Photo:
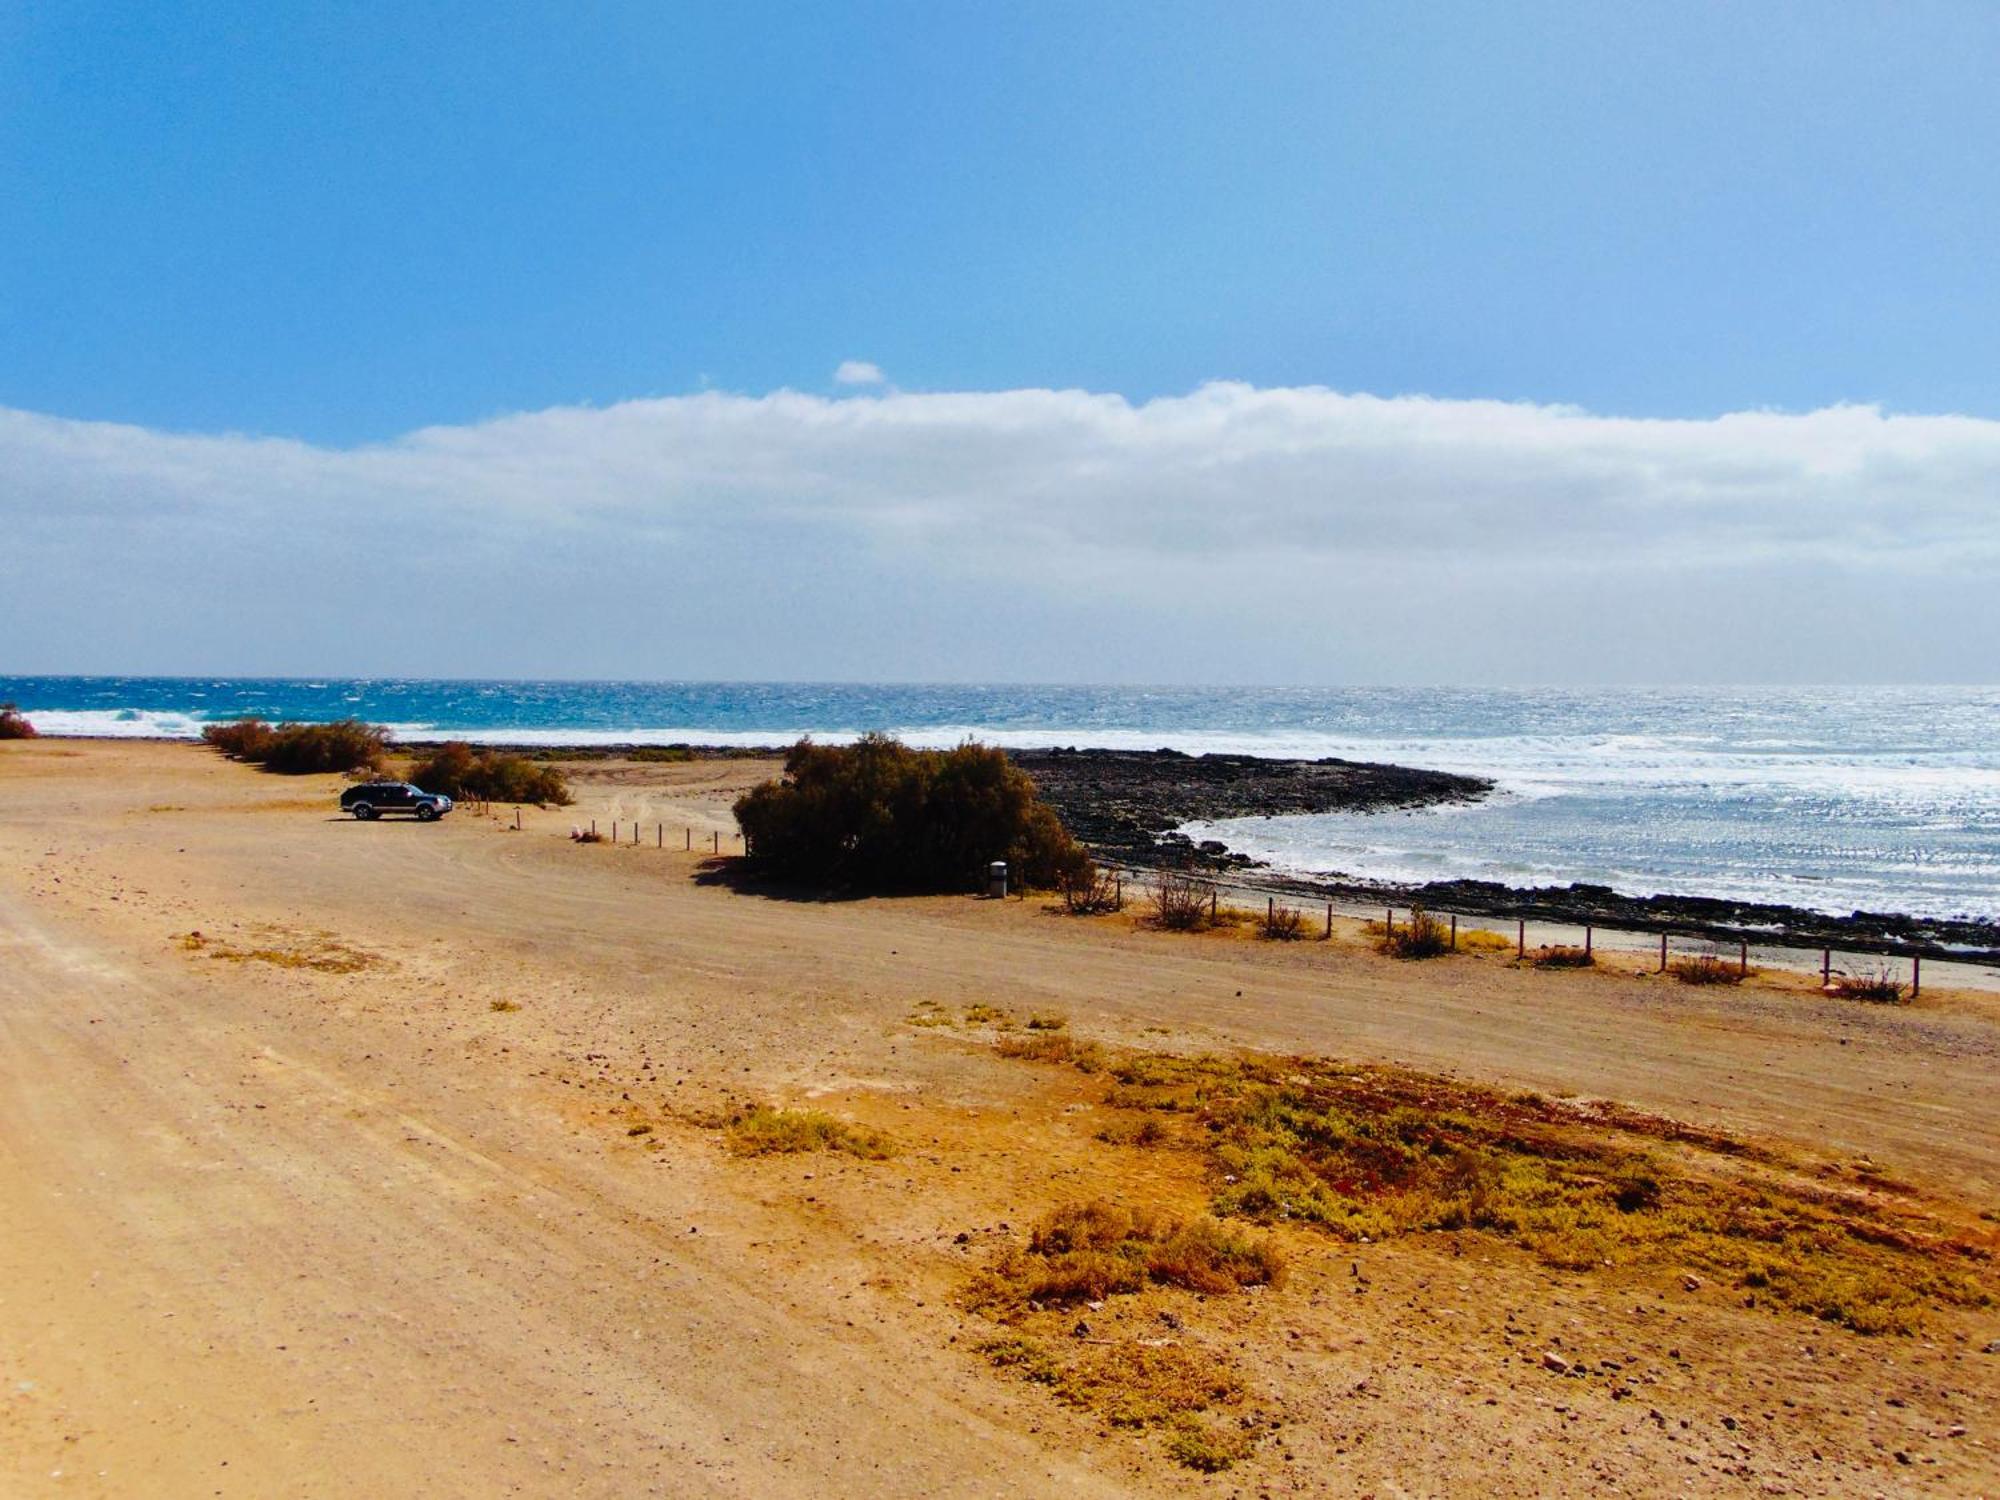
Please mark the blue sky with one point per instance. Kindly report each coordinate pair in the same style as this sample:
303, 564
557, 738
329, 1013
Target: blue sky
342, 222
1249, 342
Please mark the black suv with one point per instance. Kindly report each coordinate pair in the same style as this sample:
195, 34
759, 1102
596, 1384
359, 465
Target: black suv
372, 799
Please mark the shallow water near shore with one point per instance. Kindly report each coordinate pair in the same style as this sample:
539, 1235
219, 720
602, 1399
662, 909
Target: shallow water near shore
1834, 799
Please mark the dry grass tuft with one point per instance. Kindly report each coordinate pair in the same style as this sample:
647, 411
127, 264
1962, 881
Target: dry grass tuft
1053, 1047
1422, 936
1282, 924
1093, 894
321, 954
1086, 1252
1484, 940
766, 1131
1090, 1252
1877, 986
1562, 956
1181, 903
503, 1006
1706, 968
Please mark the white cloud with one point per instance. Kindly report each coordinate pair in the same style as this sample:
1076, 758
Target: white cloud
858, 372
1233, 513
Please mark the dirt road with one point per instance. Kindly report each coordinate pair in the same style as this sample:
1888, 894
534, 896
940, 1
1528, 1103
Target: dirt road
324, 1202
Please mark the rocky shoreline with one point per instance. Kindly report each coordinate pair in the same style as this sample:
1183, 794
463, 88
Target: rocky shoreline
1126, 806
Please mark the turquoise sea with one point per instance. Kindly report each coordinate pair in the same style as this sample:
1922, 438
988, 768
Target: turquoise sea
1838, 799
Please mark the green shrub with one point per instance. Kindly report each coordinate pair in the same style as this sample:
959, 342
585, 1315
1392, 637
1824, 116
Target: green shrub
878, 815
302, 749
457, 770
241, 739
13, 726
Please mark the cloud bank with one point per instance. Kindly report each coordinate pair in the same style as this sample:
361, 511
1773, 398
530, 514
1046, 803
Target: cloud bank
1234, 533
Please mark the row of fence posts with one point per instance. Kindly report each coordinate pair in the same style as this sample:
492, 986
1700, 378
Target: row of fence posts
1521, 939
660, 835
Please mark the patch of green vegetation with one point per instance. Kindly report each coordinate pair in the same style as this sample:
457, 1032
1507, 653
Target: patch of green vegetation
1376, 1153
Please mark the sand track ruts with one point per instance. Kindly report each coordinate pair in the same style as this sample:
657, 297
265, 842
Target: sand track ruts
271, 1232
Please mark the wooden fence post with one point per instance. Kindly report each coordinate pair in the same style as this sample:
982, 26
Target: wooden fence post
1663, 953
1586, 940
1825, 967
1329, 921
1389, 923
1743, 960
1521, 938
1916, 975
687, 838
660, 831
517, 820
1454, 932
1213, 892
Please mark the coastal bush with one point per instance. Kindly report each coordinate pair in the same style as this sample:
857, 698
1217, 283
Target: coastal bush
1423, 936
1181, 903
13, 726
457, 770
302, 749
310, 749
879, 815
1706, 968
240, 739
1085, 1252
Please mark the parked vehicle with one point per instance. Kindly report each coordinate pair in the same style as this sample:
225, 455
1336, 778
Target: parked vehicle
373, 798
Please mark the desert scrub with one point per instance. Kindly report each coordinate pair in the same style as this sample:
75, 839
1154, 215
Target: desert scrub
1085, 1252
1877, 986
1282, 924
1139, 1385
1376, 1152
323, 954
1093, 893
766, 1131
1484, 940
1181, 904
1706, 968
1562, 956
1052, 1047
1422, 936
13, 726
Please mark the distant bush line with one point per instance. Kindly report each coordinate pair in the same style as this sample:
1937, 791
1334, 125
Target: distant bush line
878, 815
13, 726
302, 749
457, 770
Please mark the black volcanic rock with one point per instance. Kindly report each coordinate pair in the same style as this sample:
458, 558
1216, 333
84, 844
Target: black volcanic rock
1125, 804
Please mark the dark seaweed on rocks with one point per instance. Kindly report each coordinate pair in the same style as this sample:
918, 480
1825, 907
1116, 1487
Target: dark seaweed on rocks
1126, 804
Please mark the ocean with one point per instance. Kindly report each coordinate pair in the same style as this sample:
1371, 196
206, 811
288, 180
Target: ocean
1835, 799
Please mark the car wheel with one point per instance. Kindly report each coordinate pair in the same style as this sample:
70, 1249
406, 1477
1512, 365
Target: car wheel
426, 813
363, 812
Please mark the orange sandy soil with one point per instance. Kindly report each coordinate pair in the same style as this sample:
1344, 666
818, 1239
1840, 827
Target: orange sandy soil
295, 1210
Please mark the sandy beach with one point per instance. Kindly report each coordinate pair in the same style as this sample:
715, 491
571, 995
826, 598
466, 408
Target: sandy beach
383, 1159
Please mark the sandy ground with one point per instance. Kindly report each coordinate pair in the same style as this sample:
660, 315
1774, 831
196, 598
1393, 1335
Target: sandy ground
296, 1210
